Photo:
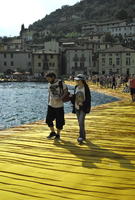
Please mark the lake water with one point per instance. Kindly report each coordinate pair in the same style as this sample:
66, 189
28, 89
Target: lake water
22, 103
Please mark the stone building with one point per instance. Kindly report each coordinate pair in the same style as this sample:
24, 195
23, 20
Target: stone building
78, 60
15, 61
44, 61
117, 60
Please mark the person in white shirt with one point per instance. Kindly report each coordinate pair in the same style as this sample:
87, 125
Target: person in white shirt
81, 104
55, 105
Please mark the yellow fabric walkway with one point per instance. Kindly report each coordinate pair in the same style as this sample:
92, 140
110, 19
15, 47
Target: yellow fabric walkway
34, 168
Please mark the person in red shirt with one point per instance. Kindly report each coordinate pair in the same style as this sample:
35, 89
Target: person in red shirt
132, 88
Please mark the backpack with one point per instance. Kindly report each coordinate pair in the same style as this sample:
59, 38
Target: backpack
65, 98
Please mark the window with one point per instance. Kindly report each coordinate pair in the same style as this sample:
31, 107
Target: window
11, 55
117, 61
29, 55
103, 60
110, 54
45, 66
128, 54
39, 64
75, 64
128, 71
75, 58
51, 56
81, 64
110, 71
110, 61
29, 63
118, 71
12, 63
103, 54
5, 55
39, 56
5, 63
45, 57
82, 59
127, 61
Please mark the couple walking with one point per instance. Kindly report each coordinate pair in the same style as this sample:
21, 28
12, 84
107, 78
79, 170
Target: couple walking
81, 100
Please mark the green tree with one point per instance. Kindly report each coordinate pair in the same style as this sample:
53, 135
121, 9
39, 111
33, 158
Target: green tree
122, 14
109, 38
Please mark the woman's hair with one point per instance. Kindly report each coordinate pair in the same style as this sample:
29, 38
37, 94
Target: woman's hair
51, 75
84, 82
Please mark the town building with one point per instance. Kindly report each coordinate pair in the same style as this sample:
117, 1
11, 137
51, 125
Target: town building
122, 30
11, 44
117, 60
44, 61
44, 33
78, 60
52, 45
15, 61
27, 34
101, 26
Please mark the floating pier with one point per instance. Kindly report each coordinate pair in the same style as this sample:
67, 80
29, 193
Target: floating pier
34, 168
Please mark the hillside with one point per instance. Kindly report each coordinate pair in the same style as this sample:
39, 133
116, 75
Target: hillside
70, 18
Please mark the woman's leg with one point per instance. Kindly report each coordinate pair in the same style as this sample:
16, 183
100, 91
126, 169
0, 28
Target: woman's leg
81, 120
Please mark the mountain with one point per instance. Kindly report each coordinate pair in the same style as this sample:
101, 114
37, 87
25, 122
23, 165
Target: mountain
70, 18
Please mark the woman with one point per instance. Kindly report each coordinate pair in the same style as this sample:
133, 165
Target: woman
81, 104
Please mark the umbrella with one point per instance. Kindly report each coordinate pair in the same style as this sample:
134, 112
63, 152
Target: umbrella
17, 73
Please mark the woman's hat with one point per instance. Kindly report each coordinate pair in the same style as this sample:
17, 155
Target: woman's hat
79, 77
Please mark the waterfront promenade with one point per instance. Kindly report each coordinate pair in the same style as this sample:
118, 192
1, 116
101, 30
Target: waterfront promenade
34, 168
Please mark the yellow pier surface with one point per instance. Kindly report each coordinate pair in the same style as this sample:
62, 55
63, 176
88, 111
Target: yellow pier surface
34, 168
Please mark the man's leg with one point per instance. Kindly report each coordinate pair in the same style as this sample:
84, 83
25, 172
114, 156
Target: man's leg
60, 121
49, 120
133, 97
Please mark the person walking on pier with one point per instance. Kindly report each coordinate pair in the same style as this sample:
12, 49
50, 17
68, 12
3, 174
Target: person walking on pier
55, 105
132, 88
81, 104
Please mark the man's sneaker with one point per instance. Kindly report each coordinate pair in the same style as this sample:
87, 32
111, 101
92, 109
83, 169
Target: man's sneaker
52, 134
57, 136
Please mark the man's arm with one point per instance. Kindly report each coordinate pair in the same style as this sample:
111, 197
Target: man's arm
65, 90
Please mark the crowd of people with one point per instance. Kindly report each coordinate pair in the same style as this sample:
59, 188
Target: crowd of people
126, 83
107, 81
21, 78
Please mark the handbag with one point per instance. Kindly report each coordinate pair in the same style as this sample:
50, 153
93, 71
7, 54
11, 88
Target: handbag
66, 97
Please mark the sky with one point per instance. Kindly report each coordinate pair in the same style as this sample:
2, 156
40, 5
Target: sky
14, 13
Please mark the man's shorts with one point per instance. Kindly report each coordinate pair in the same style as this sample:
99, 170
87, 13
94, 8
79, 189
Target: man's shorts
55, 114
132, 91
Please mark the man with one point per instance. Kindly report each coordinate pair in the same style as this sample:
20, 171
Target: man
132, 88
55, 105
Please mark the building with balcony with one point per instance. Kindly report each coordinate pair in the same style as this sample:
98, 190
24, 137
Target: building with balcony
78, 60
117, 60
44, 61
